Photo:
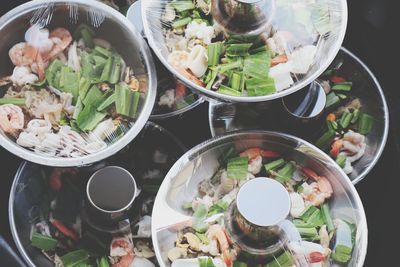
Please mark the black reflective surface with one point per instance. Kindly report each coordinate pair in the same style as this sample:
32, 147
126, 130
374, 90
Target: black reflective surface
373, 36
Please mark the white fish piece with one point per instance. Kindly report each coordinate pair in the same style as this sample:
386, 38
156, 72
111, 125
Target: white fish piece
38, 127
22, 75
197, 60
141, 262
302, 59
28, 140
281, 75
297, 205
200, 31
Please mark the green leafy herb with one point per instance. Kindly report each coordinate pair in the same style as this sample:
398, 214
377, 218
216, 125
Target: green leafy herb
75, 258
43, 242
214, 52
237, 168
365, 123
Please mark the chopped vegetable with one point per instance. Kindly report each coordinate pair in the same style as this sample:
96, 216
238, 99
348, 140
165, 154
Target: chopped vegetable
326, 139
326, 215
365, 124
75, 258
214, 52
14, 101
237, 168
126, 101
43, 242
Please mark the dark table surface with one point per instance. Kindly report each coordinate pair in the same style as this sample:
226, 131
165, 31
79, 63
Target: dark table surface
372, 25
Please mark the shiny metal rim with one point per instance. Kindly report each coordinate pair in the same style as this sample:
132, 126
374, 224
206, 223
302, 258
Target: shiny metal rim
214, 95
187, 157
139, 124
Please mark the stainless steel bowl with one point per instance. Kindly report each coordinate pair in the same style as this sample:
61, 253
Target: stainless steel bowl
181, 185
224, 117
327, 49
114, 27
23, 209
134, 15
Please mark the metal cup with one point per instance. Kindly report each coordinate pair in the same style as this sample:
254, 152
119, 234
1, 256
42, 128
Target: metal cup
110, 193
253, 219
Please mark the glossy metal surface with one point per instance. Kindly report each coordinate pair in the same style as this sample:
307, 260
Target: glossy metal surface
181, 185
115, 28
329, 47
273, 116
135, 17
22, 209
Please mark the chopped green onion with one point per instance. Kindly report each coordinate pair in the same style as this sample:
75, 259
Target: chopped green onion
206, 262
213, 76
187, 205
326, 139
310, 232
75, 258
236, 81
89, 118
107, 102
94, 97
342, 96
214, 52
326, 215
257, 65
239, 264
103, 262
365, 124
78, 108
284, 260
238, 50
228, 91
341, 160
237, 168
286, 173
260, 87
43, 242
356, 116
181, 6
127, 101
331, 100
342, 254
219, 207
105, 75
199, 215
103, 51
14, 101
274, 165
307, 213
84, 86
332, 125
181, 22
316, 218
238, 63
345, 119
346, 86
116, 70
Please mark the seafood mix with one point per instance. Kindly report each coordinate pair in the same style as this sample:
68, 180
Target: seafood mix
69, 95
318, 238
237, 64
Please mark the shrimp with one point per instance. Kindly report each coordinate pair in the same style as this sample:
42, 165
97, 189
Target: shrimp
22, 54
121, 249
336, 147
61, 38
180, 90
216, 232
319, 191
255, 165
309, 252
11, 118
252, 153
179, 60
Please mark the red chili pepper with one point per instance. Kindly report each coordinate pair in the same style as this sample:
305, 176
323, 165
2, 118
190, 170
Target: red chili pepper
55, 180
335, 149
316, 257
309, 173
180, 90
337, 79
64, 230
